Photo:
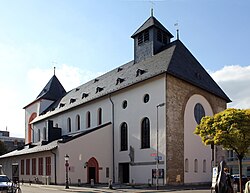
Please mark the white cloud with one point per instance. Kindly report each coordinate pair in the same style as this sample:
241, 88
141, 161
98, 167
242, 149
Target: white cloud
69, 76
235, 81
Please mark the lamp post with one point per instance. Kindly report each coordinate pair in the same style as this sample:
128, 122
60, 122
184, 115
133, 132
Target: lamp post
66, 158
157, 146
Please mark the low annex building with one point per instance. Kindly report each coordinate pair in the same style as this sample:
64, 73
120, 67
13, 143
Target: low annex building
113, 126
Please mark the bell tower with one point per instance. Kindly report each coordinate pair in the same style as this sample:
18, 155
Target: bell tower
150, 39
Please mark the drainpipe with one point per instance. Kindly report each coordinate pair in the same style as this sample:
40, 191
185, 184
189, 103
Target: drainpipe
55, 165
113, 137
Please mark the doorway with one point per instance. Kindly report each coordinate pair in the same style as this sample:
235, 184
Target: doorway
15, 172
93, 170
124, 172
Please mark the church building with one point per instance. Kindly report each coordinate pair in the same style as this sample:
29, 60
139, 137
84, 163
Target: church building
126, 124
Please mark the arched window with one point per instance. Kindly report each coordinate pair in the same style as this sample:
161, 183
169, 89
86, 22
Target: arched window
204, 166
195, 165
78, 122
186, 165
99, 121
88, 120
124, 136
69, 124
145, 133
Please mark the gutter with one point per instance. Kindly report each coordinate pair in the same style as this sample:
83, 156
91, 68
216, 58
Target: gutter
113, 137
55, 166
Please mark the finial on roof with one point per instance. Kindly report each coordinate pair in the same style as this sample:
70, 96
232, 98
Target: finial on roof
152, 8
177, 29
54, 70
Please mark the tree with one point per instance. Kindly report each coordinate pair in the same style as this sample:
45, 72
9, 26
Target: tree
229, 128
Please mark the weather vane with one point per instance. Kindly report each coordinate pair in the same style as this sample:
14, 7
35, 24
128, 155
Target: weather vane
177, 29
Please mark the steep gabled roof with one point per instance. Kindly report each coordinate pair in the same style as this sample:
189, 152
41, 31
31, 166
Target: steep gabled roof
185, 66
151, 22
175, 60
53, 90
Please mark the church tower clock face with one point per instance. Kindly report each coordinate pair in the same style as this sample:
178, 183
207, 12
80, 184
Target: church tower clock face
199, 112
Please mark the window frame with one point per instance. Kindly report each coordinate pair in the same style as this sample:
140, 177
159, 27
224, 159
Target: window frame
124, 137
145, 133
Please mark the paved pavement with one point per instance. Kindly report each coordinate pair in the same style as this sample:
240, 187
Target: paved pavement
119, 189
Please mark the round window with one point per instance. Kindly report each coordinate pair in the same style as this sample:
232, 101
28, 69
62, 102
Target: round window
124, 104
199, 112
146, 98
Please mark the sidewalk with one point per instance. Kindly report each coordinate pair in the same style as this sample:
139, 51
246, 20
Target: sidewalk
120, 188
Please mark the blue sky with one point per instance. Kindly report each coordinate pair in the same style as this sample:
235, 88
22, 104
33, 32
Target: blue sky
85, 38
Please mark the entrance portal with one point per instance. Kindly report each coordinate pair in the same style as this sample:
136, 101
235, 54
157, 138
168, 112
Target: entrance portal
93, 170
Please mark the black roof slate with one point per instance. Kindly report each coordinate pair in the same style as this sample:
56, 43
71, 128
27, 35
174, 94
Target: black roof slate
53, 90
151, 22
175, 60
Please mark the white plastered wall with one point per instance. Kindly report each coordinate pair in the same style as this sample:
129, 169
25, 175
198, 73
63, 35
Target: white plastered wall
193, 147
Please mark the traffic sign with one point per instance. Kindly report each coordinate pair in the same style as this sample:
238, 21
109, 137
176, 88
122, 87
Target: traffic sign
159, 158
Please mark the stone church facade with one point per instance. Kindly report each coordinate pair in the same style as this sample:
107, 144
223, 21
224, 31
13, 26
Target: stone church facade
114, 126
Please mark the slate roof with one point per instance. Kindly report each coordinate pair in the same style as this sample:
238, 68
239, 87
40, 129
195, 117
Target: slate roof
53, 90
151, 22
35, 149
175, 59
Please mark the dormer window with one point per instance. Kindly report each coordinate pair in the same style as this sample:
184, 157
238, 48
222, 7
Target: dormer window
61, 105
99, 89
119, 80
96, 80
143, 37
119, 69
72, 100
140, 72
85, 95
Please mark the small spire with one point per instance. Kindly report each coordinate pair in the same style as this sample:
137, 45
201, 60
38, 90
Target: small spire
177, 29
54, 70
152, 8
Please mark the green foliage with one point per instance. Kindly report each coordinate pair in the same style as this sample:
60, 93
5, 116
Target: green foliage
229, 128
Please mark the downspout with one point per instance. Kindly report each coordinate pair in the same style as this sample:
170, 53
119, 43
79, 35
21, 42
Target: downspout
113, 137
55, 165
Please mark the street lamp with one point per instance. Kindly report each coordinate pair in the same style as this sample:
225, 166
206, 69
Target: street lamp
66, 158
157, 146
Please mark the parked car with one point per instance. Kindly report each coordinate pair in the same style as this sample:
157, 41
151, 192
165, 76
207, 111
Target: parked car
236, 179
5, 184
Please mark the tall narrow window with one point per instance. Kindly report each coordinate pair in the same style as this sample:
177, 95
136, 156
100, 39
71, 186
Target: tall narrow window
204, 166
88, 120
27, 166
48, 166
40, 166
22, 167
69, 124
99, 116
124, 137
38, 135
195, 165
44, 133
33, 166
78, 122
186, 165
145, 133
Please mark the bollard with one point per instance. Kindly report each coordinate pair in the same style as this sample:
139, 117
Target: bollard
92, 183
235, 187
110, 184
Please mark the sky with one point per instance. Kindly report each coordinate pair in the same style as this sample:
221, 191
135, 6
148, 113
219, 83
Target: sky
86, 38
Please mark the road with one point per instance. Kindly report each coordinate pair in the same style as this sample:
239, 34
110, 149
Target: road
61, 189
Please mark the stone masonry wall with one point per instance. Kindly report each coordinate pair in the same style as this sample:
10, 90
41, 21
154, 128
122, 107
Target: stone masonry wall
177, 95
